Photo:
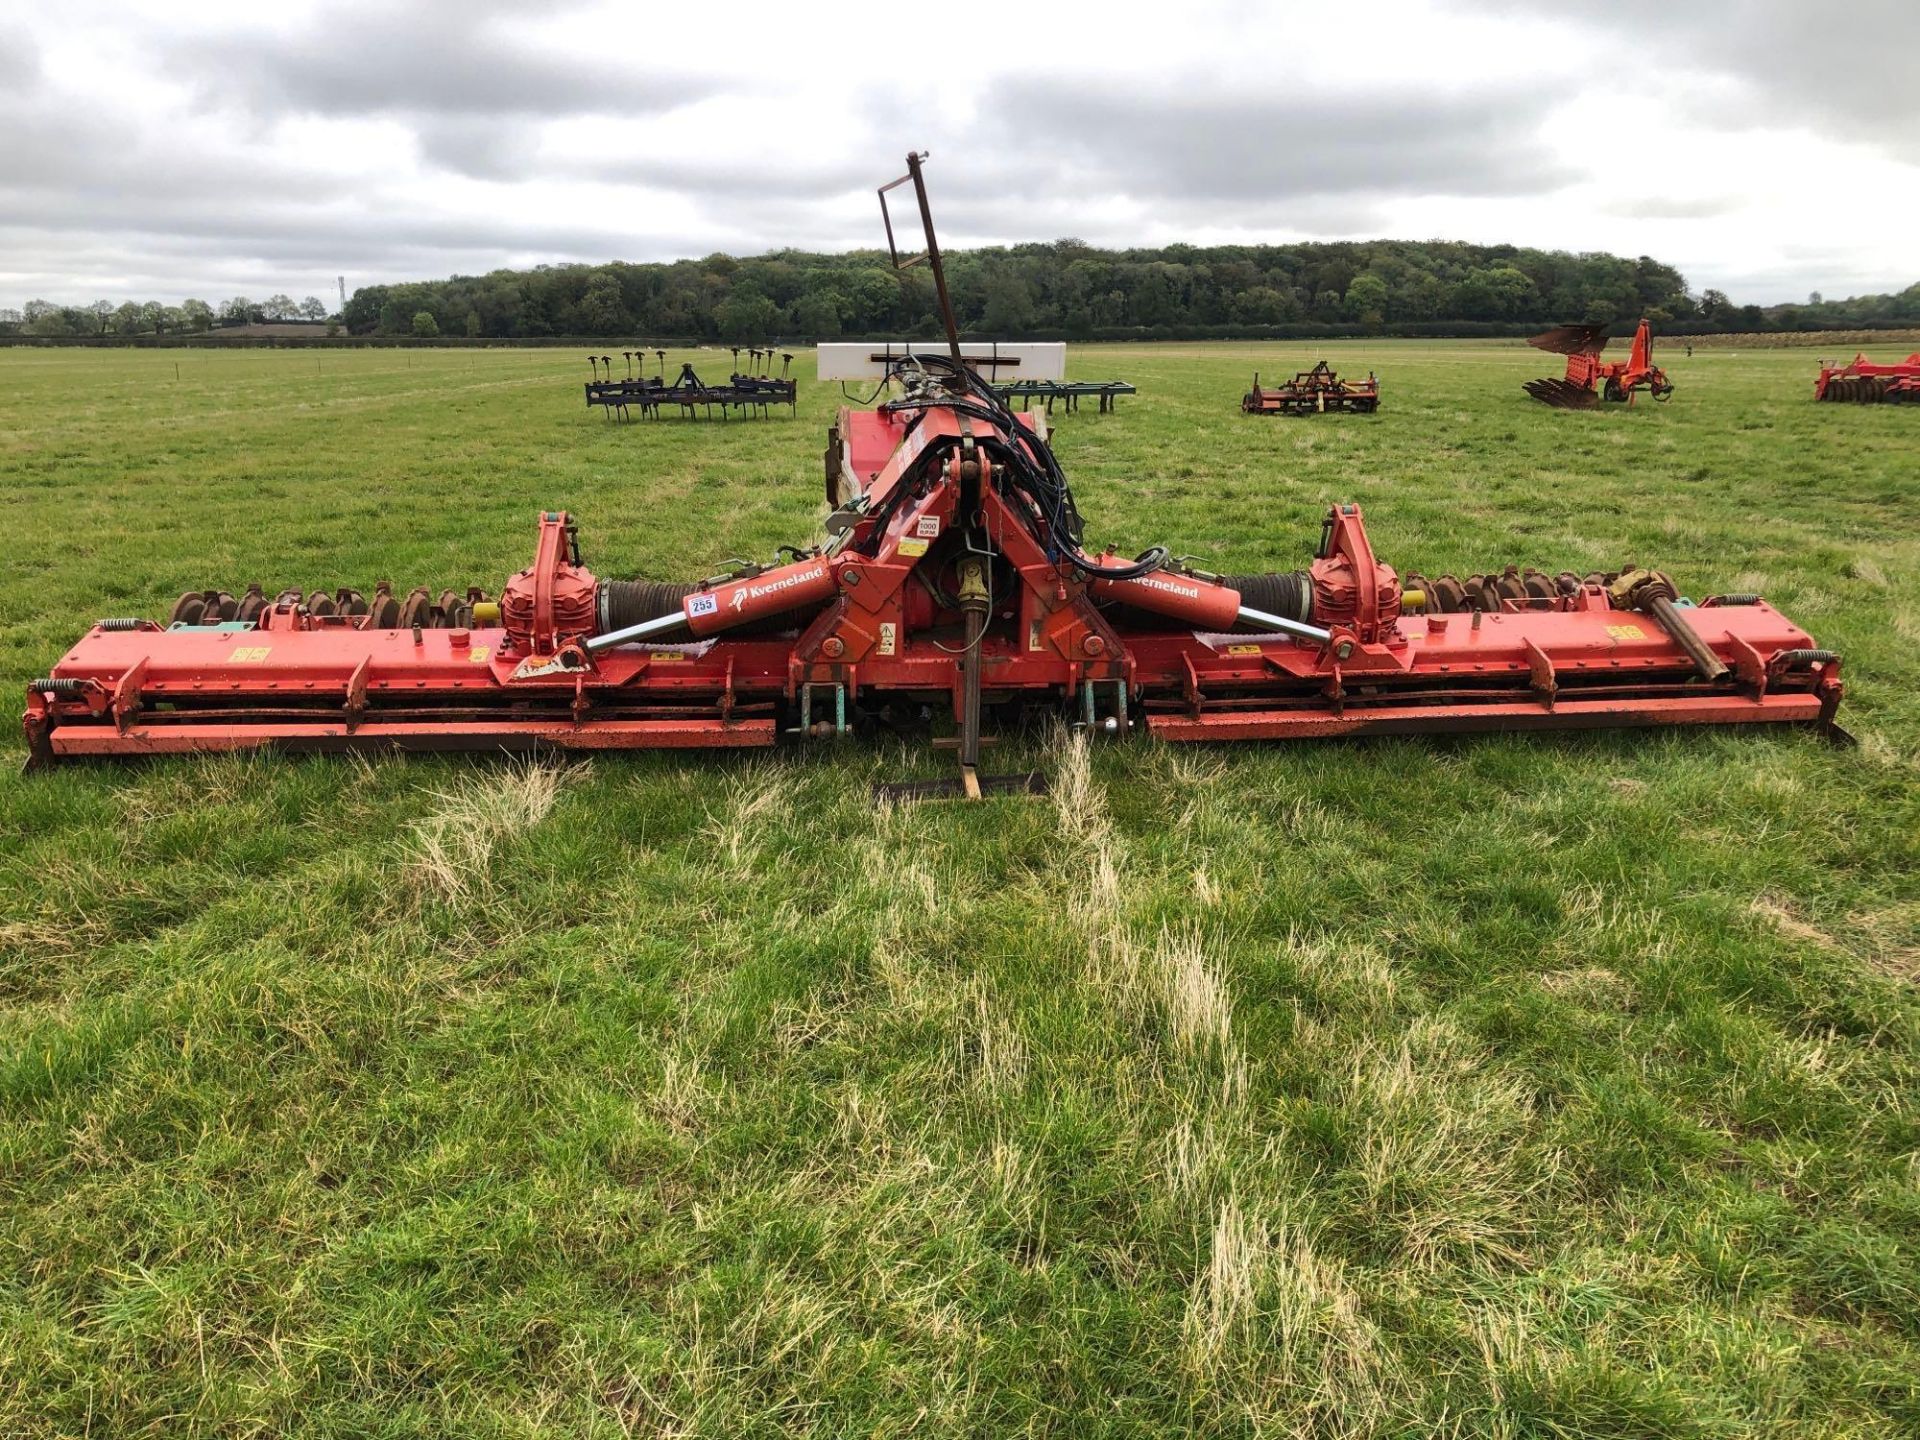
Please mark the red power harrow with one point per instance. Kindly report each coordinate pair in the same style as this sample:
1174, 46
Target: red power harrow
953, 576
1862, 382
1588, 377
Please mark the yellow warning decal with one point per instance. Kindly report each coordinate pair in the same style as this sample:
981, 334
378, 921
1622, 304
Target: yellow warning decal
250, 654
1244, 650
480, 654
1626, 632
662, 656
912, 546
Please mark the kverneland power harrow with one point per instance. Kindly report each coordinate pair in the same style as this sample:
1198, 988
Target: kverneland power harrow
1861, 382
953, 578
1588, 377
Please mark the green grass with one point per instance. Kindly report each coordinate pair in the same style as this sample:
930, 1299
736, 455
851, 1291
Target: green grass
1517, 1087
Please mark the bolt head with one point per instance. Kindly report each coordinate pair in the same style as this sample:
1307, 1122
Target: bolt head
1093, 645
833, 645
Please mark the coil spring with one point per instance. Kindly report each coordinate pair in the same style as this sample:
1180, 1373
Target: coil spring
1739, 597
1806, 657
56, 687
119, 622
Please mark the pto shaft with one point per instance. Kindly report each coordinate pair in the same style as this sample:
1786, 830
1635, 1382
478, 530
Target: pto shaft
1653, 594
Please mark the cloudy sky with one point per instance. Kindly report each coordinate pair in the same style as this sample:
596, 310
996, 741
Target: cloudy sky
159, 150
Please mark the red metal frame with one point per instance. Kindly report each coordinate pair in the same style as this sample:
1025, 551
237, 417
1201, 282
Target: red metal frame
1862, 381
1589, 378
877, 617
1313, 392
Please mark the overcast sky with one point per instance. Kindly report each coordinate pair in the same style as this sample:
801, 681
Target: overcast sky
1767, 148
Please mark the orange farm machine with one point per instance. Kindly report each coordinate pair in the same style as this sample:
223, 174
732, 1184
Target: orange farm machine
1862, 382
1589, 379
953, 580
1314, 392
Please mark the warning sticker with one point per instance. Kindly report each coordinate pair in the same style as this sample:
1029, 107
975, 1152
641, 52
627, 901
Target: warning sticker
705, 603
251, 654
659, 657
928, 527
1626, 632
480, 654
1243, 650
889, 637
912, 547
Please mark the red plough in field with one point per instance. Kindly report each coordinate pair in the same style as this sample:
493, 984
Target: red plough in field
1588, 377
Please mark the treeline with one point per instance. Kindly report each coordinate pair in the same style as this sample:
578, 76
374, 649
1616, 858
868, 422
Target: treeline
1073, 290
1066, 288
104, 319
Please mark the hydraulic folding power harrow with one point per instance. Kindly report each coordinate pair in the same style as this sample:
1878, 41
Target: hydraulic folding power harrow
952, 578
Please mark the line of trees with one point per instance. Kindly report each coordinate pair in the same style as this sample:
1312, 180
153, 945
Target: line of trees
1065, 288
1068, 288
44, 319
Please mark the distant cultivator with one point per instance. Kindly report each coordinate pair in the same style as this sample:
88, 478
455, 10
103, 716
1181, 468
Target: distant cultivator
1861, 382
749, 392
1314, 392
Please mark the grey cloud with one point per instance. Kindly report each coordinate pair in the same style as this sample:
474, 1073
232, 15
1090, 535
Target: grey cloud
112, 189
1189, 142
429, 59
1673, 207
477, 146
324, 236
727, 173
1845, 72
466, 79
19, 60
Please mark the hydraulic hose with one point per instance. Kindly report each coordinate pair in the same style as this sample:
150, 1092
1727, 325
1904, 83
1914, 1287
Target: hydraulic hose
1288, 594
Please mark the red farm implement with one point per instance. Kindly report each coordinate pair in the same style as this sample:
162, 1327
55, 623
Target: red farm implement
1314, 392
1589, 378
952, 578
1862, 382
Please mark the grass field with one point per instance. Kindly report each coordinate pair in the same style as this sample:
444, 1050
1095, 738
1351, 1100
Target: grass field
1509, 1087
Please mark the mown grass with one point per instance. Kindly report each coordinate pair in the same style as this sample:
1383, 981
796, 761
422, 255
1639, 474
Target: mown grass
1557, 1087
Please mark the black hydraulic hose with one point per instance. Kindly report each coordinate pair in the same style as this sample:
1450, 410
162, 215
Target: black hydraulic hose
1287, 594
1036, 467
621, 603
